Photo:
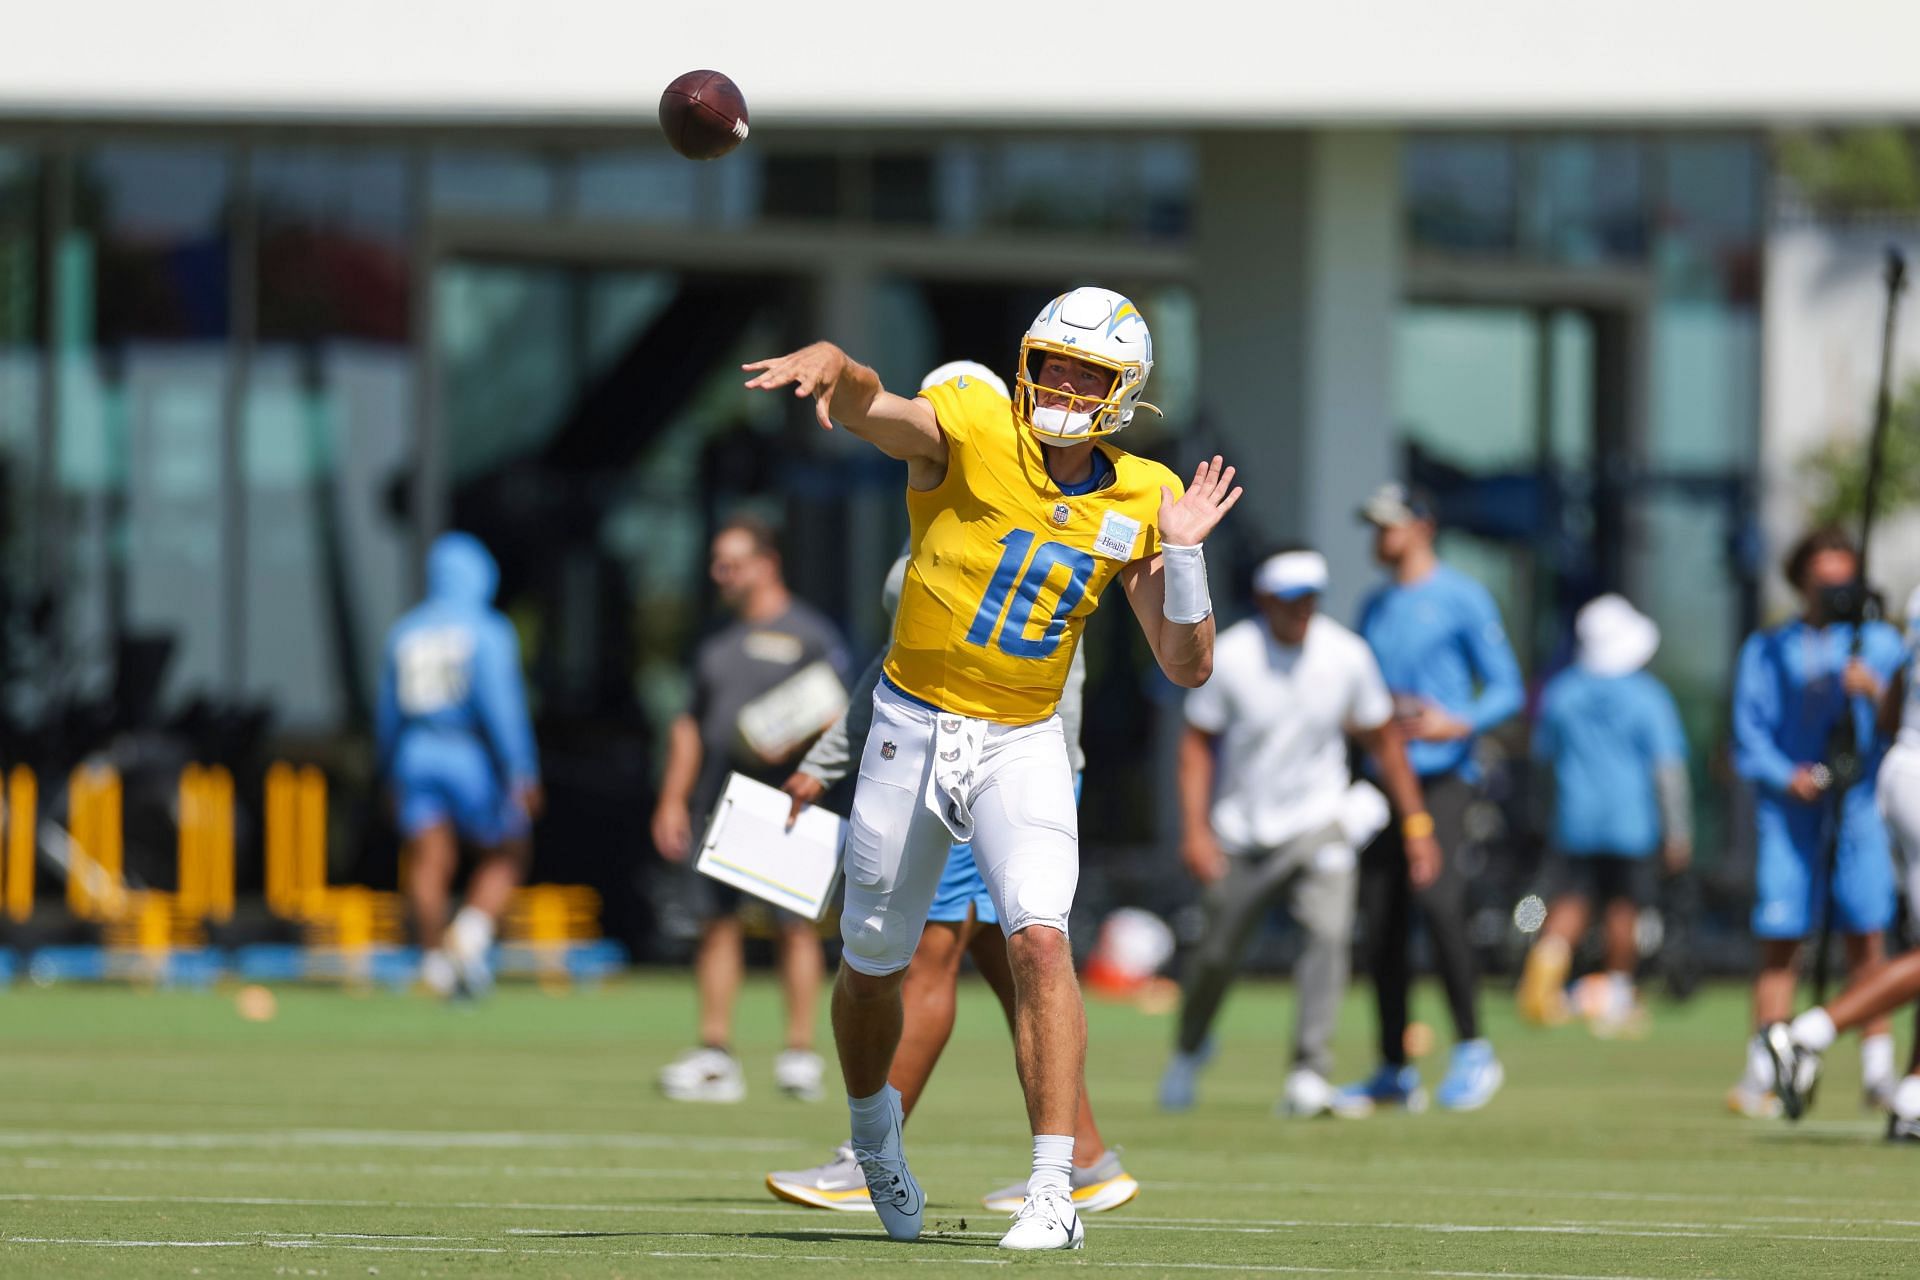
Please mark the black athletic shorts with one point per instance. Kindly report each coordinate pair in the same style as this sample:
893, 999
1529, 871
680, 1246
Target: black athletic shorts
1601, 878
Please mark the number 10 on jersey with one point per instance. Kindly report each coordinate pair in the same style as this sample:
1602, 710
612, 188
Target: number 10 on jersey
1025, 588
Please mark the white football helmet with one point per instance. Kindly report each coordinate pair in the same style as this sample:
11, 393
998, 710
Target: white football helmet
965, 369
1097, 327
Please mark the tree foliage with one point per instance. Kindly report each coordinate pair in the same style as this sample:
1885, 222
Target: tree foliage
1840, 468
1854, 171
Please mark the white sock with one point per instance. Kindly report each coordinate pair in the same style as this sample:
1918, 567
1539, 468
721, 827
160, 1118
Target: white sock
1906, 1098
873, 1117
1620, 992
470, 934
1759, 1066
1876, 1061
1052, 1164
1815, 1030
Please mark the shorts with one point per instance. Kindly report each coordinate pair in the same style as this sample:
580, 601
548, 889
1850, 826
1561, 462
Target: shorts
930, 779
446, 780
962, 887
1898, 790
1603, 877
709, 900
1790, 888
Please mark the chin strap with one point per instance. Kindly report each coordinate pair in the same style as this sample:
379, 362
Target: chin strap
1187, 601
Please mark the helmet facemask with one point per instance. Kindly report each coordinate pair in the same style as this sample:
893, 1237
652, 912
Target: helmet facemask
1061, 416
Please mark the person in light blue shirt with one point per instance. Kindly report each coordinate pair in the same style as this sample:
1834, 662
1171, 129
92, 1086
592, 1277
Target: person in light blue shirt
1795, 684
1610, 736
456, 747
1445, 656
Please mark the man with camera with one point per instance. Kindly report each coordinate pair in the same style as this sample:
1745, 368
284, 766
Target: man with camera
1806, 698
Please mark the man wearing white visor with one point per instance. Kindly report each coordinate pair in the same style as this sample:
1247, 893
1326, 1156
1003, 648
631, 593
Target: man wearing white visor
1269, 808
1610, 736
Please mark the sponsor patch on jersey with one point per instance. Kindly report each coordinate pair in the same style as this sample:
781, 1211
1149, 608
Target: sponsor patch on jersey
1117, 535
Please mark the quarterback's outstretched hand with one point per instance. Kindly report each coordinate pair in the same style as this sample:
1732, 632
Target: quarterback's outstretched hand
1187, 523
813, 371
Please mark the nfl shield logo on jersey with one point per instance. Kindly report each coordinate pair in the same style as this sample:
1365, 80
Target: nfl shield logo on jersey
1061, 513
887, 750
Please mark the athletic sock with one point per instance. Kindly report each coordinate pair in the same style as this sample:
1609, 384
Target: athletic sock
1815, 1030
470, 934
1876, 1062
872, 1117
1906, 1098
1620, 992
1052, 1164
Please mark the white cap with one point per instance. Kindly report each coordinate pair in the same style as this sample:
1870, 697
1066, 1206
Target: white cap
965, 369
1291, 574
1616, 639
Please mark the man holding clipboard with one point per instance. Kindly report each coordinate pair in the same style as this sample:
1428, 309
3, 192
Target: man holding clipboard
764, 686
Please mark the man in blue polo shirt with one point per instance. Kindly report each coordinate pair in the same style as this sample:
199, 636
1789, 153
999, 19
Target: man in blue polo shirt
1437, 635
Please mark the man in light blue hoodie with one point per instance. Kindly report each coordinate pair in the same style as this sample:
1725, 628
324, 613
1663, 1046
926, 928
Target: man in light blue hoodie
456, 747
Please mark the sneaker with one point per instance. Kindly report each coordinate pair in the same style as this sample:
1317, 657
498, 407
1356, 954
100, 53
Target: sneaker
473, 979
1101, 1186
1307, 1095
895, 1196
438, 975
1877, 1096
1901, 1128
1796, 1070
1745, 1099
1046, 1221
1473, 1077
704, 1075
837, 1184
1179, 1084
1390, 1086
798, 1073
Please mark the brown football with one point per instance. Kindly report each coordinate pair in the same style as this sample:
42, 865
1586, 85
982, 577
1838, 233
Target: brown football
703, 115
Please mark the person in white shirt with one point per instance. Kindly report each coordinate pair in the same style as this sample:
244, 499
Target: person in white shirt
1269, 807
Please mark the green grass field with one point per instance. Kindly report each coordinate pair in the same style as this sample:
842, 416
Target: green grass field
159, 1134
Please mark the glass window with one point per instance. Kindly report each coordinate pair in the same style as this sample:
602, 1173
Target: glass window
903, 188
327, 432
506, 347
493, 183
650, 185
1461, 194
145, 375
800, 186
20, 365
1585, 200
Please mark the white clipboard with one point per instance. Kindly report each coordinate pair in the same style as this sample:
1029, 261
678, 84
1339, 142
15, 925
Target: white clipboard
748, 846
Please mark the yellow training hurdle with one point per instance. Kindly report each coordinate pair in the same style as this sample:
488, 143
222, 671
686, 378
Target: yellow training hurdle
16, 862
96, 888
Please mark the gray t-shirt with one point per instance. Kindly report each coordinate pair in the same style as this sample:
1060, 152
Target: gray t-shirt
831, 758
736, 665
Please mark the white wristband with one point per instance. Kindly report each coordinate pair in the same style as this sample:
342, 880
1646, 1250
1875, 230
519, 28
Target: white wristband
1187, 600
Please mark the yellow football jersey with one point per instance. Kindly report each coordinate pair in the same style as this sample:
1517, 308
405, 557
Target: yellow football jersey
1003, 567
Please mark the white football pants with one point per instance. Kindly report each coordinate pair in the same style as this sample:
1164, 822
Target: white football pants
1898, 791
928, 779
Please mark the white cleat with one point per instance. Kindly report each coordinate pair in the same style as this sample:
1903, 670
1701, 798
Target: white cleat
799, 1073
704, 1075
1046, 1221
438, 975
896, 1197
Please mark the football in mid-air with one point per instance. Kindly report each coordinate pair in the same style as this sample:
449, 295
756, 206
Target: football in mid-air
703, 115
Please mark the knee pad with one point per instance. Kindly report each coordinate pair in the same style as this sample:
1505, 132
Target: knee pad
876, 941
1041, 894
